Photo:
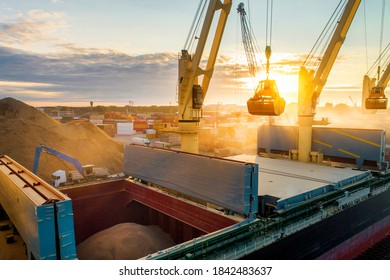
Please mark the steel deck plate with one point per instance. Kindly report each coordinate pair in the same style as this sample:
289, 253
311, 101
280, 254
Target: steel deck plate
285, 179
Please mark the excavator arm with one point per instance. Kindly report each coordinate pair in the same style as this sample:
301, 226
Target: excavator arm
58, 154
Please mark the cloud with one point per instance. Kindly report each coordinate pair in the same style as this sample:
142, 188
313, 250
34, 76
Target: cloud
79, 74
28, 89
34, 27
103, 75
23, 84
344, 87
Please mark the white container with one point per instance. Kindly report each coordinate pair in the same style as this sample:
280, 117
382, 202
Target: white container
150, 131
124, 129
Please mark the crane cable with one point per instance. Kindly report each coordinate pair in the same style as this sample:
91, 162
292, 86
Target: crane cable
365, 32
324, 37
384, 53
254, 39
189, 43
381, 36
268, 34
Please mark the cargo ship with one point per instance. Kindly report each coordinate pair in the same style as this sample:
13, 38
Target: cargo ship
326, 197
242, 207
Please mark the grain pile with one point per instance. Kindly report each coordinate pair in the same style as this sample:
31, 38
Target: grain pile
23, 128
126, 241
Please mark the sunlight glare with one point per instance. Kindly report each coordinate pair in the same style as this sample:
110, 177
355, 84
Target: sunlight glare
287, 85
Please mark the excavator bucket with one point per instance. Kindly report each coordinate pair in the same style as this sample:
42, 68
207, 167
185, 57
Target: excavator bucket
266, 107
377, 99
376, 103
266, 101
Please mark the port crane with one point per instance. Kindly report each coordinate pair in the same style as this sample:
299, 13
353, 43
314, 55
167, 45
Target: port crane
311, 82
266, 100
374, 92
190, 92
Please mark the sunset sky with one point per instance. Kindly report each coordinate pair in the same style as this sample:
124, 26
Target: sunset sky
111, 52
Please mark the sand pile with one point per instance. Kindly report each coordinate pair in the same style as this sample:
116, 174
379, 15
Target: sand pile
126, 241
23, 128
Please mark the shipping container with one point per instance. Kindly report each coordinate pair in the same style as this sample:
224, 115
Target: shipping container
125, 128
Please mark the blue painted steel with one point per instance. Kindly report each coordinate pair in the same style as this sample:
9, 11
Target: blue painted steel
250, 201
359, 145
44, 223
66, 235
279, 138
46, 232
285, 204
63, 156
226, 183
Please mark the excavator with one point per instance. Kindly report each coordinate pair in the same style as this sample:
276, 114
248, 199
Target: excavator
83, 173
374, 93
58, 154
312, 81
266, 100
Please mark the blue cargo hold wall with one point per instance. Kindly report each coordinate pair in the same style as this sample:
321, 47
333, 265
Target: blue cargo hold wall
226, 183
42, 215
359, 146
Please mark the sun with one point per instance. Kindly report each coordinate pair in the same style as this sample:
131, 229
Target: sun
287, 85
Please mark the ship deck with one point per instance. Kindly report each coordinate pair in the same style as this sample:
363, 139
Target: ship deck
294, 181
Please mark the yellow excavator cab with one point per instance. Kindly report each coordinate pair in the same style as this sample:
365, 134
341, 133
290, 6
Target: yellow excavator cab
266, 101
377, 99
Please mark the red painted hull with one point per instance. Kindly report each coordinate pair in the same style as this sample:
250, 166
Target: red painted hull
360, 242
102, 205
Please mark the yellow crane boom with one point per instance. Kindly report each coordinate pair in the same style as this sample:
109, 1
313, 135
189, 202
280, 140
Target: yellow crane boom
312, 82
190, 93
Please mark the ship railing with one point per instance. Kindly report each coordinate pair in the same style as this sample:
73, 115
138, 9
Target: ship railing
249, 247
270, 237
380, 190
303, 223
275, 232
